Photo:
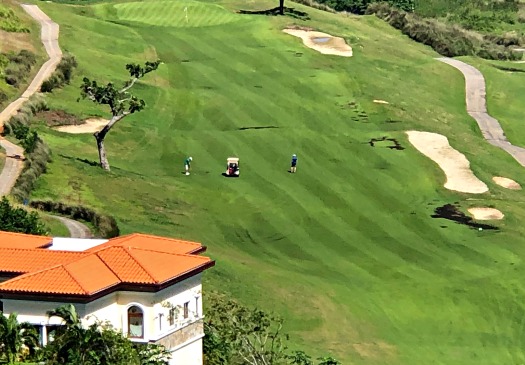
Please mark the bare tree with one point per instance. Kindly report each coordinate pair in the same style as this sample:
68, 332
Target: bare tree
120, 101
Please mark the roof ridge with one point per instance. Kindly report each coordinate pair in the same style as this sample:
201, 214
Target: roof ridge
74, 279
192, 255
167, 238
128, 251
105, 264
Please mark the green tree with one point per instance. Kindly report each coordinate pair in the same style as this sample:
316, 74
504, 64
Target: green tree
19, 220
15, 336
97, 344
120, 101
235, 334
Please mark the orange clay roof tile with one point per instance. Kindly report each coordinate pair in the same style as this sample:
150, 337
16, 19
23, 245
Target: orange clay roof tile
128, 259
27, 260
21, 240
156, 243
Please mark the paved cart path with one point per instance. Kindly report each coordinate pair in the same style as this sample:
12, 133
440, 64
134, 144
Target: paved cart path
477, 109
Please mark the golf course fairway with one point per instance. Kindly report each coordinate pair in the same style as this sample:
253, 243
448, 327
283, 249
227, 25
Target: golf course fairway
345, 249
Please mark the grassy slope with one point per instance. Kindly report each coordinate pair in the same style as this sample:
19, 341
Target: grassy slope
345, 249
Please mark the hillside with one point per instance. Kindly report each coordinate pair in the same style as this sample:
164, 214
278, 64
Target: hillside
345, 249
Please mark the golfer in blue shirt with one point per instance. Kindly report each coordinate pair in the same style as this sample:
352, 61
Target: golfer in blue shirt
294, 163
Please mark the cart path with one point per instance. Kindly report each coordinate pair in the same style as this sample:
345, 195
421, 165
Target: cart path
76, 229
477, 109
49, 35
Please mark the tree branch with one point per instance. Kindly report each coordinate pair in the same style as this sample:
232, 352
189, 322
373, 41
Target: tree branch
129, 85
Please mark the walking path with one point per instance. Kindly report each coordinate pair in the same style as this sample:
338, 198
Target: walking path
49, 35
477, 109
14, 161
76, 229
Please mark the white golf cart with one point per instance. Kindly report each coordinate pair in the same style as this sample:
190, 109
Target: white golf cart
232, 167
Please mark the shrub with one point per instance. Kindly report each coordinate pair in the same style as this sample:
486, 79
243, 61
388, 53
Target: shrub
62, 74
19, 220
105, 225
447, 39
18, 67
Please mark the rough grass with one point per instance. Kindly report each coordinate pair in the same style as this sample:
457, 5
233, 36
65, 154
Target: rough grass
345, 249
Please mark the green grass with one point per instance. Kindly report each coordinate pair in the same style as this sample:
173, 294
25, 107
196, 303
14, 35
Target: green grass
345, 249
54, 226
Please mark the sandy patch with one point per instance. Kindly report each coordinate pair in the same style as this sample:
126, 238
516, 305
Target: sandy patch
506, 183
486, 214
374, 349
453, 163
91, 125
322, 42
377, 101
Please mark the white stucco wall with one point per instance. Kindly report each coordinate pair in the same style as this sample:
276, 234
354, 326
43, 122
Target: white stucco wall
190, 354
114, 309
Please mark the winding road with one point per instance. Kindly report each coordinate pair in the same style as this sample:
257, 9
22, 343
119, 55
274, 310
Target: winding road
477, 109
14, 161
76, 229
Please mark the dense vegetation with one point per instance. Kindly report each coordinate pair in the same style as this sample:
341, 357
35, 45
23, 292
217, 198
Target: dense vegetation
10, 22
13, 219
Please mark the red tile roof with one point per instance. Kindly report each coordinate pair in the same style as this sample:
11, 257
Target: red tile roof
132, 260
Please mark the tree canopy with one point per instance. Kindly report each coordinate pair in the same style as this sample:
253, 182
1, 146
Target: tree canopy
19, 220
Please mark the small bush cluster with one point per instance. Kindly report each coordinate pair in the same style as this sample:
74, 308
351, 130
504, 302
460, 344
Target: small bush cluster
105, 225
62, 74
358, 6
19, 66
37, 153
446, 39
10, 22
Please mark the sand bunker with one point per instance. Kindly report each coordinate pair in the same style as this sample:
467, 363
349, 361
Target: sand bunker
91, 125
322, 42
506, 183
453, 163
377, 101
486, 214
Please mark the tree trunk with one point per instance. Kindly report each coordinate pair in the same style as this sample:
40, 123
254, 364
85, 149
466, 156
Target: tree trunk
104, 163
281, 7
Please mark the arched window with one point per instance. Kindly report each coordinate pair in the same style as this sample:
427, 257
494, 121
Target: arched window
135, 322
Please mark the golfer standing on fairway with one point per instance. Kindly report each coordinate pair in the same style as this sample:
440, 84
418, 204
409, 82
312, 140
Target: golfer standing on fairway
187, 164
294, 163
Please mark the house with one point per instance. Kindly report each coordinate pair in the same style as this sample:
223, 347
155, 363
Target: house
148, 287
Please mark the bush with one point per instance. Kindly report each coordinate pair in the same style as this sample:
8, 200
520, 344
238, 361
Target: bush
105, 225
62, 74
19, 66
360, 6
446, 39
19, 220
35, 165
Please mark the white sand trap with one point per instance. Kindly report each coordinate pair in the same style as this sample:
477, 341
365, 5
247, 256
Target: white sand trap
506, 183
91, 125
377, 101
322, 42
453, 163
486, 214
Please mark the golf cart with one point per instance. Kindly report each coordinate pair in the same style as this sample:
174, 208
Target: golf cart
232, 167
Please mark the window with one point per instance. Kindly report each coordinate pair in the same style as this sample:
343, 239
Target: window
196, 306
135, 322
160, 321
1, 306
172, 316
186, 309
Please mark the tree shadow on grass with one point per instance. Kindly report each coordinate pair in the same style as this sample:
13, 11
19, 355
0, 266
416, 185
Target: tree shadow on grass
83, 160
291, 12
